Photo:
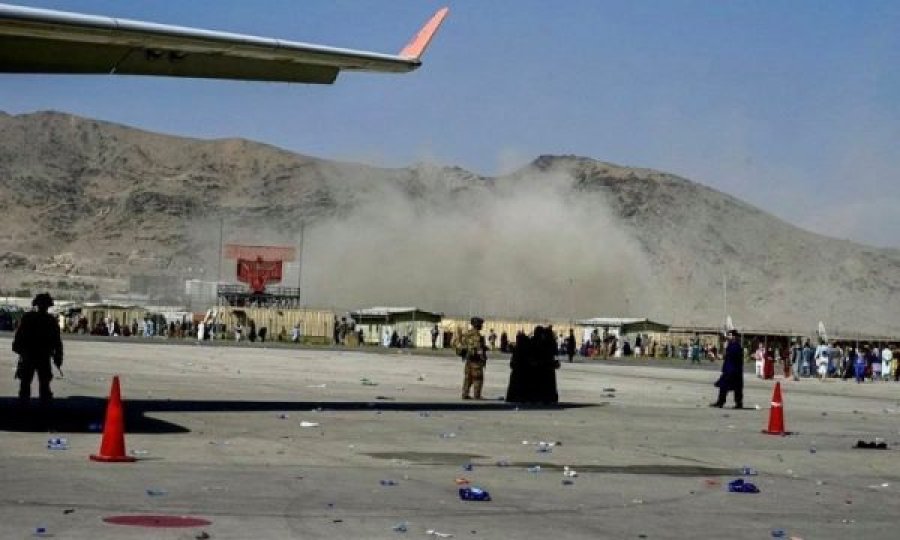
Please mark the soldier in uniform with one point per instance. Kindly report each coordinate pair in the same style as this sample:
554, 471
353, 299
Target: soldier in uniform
474, 351
36, 341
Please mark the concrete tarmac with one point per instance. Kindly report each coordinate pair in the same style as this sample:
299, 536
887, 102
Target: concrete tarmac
218, 435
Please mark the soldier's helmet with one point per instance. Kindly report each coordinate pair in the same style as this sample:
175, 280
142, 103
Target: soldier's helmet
477, 321
42, 300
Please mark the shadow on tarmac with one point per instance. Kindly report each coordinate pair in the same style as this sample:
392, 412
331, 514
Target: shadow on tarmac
83, 414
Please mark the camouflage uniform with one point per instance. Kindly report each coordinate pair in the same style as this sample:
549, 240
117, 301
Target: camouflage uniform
472, 343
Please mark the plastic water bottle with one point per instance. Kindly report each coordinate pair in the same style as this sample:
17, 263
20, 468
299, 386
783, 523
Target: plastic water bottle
474, 494
58, 443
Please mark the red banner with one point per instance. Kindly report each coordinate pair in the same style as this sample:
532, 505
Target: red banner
258, 273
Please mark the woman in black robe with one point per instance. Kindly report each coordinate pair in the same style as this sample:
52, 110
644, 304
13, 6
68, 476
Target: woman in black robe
545, 366
520, 371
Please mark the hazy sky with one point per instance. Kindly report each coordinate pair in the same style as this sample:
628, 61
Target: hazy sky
791, 106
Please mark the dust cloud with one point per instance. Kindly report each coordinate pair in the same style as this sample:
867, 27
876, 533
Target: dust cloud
515, 246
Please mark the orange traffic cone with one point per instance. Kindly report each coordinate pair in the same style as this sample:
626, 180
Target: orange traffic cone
112, 447
776, 413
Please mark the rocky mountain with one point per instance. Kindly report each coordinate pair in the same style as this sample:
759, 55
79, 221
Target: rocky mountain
86, 204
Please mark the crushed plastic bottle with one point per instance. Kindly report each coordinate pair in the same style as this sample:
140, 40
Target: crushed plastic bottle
58, 443
401, 527
474, 494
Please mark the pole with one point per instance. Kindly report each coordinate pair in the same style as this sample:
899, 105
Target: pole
724, 296
300, 261
221, 241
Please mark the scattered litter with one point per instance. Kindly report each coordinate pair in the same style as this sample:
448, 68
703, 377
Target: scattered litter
534, 469
139, 452
203, 535
712, 482
448, 435
777, 533
749, 471
155, 492
420, 378
68, 511
876, 486
388, 482
425, 414
323, 385
468, 467
569, 472
304, 423
873, 445
567, 482
58, 443
337, 520
757, 407
384, 398
366, 382
461, 481
812, 450
544, 448
474, 494
637, 501
432, 532
609, 389
283, 416
848, 521
401, 527
503, 463
41, 532
739, 486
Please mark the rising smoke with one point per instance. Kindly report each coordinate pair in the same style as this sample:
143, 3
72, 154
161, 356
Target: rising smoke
521, 245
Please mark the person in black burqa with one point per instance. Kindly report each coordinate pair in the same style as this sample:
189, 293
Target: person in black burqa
545, 366
37, 340
732, 378
520, 374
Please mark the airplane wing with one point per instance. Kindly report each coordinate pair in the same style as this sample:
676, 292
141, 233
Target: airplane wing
47, 41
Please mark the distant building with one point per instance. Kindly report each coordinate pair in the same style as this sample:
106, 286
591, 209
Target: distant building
410, 322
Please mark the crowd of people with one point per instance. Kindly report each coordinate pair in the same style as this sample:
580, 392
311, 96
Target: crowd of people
860, 362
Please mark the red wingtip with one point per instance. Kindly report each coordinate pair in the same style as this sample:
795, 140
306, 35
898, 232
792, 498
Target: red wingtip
416, 47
